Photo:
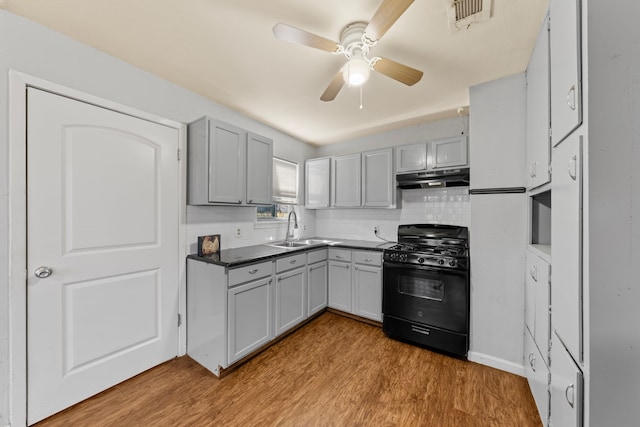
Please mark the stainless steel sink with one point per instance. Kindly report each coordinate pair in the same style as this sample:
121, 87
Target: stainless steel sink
303, 243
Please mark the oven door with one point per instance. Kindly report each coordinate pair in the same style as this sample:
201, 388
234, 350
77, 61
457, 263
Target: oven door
427, 295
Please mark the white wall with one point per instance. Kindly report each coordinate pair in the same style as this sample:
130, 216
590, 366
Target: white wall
35, 50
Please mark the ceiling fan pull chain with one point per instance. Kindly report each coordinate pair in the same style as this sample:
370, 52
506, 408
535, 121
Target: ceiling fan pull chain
361, 96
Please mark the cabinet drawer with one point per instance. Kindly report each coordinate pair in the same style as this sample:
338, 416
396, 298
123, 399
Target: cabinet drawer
250, 272
368, 258
340, 254
289, 262
317, 256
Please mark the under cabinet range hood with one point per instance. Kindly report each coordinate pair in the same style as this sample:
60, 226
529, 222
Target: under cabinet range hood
434, 179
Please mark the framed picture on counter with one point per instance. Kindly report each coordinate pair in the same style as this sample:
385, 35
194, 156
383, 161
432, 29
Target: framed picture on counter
208, 245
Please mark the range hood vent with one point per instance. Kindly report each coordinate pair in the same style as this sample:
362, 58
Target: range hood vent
434, 179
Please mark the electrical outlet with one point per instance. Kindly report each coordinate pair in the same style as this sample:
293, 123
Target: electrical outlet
304, 227
375, 229
239, 232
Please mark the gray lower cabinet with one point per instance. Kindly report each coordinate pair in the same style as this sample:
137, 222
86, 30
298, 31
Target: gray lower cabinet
290, 292
317, 281
249, 318
367, 285
340, 279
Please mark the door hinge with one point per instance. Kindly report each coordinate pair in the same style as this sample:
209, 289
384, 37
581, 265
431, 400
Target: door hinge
179, 319
179, 154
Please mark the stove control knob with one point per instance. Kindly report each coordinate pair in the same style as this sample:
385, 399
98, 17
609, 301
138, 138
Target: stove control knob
440, 262
452, 262
420, 260
403, 257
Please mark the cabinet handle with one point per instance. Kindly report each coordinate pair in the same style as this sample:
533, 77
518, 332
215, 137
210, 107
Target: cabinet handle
566, 394
534, 273
571, 97
254, 271
240, 201
341, 265
573, 167
532, 170
293, 261
250, 201
532, 362
368, 260
356, 268
338, 256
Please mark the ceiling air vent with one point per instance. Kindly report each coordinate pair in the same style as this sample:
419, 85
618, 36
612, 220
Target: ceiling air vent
463, 13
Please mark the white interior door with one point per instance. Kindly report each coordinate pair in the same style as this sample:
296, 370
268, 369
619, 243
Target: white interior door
102, 215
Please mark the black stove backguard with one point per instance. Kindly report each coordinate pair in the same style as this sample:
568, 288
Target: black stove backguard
428, 303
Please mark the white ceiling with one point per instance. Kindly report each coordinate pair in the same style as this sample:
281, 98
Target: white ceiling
225, 50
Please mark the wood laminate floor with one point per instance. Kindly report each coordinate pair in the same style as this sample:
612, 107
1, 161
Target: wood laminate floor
333, 371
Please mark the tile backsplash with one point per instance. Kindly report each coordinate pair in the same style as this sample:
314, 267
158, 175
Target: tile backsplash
438, 206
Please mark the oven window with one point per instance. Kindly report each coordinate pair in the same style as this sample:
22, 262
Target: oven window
421, 287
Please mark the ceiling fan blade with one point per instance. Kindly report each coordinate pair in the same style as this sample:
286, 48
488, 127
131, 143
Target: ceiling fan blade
386, 15
334, 87
296, 35
397, 71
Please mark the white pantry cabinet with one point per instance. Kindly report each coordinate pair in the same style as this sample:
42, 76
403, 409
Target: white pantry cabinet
566, 388
538, 376
317, 281
317, 183
566, 68
227, 165
346, 181
566, 243
538, 116
290, 292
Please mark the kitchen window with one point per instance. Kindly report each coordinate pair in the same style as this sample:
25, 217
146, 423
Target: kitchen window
285, 192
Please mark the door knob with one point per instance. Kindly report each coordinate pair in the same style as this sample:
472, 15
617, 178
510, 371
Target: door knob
43, 272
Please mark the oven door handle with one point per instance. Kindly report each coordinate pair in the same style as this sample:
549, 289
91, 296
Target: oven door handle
414, 267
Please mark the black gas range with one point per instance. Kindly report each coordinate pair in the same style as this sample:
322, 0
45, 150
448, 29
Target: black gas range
426, 287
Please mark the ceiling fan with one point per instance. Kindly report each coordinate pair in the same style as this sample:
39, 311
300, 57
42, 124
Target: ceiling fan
355, 42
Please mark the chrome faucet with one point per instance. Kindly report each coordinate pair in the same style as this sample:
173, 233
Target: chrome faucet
295, 225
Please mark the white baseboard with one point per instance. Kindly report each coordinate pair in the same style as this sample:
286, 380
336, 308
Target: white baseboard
494, 362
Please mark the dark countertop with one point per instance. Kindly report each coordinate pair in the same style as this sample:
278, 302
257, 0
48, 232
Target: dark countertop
252, 254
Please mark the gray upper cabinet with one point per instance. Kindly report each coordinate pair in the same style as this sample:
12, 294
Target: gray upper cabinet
317, 183
220, 159
448, 153
378, 186
537, 137
566, 76
346, 185
410, 158
259, 171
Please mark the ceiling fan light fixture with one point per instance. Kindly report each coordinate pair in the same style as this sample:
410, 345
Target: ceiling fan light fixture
356, 72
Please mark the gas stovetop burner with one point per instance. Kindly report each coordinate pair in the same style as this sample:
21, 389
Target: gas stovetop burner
435, 245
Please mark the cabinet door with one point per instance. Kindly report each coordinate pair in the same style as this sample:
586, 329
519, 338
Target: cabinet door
566, 243
317, 287
538, 377
367, 292
378, 181
249, 321
411, 158
346, 181
566, 388
542, 334
448, 153
291, 302
226, 163
566, 74
538, 143
259, 170
530, 294
340, 285
317, 183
